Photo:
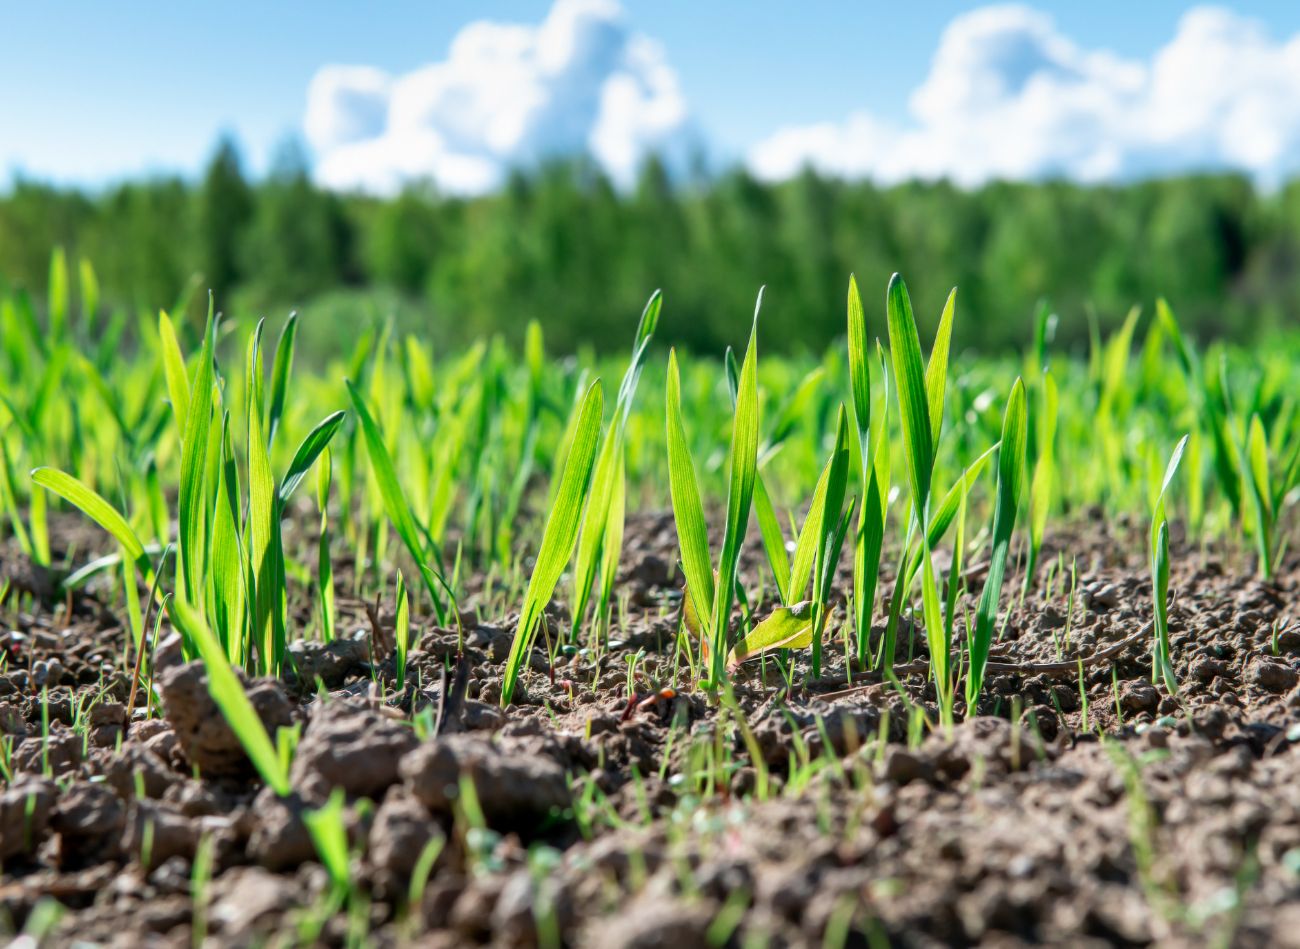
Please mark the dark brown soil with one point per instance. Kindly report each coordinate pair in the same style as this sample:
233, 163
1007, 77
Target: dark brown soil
1077, 807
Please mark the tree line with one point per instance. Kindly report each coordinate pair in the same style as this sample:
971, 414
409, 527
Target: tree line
561, 244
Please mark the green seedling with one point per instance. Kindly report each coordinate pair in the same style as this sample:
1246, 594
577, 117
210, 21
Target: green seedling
1162, 667
711, 601
559, 537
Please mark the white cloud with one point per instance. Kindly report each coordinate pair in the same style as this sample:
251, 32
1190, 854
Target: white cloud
506, 95
1009, 96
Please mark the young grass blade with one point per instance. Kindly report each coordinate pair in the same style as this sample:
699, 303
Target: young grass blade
98, 510
329, 835
613, 546
559, 536
324, 562
827, 546
913, 400
89, 293
401, 632
936, 636
688, 510
281, 366
1261, 493
395, 504
805, 548
868, 545
1161, 659
263, 522
310, 449
1011, 475
859, 370
1040, 489
194, 448
229, 580
773, 539
57, 294
178, 380
942, 517
744, 469
936, 371
595, 522
645, 329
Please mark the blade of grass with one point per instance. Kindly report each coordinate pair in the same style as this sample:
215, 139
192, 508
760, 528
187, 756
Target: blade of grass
1011, 474
559, 536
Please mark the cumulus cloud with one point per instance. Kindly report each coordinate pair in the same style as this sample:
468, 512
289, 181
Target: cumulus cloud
1009, 96
506, 95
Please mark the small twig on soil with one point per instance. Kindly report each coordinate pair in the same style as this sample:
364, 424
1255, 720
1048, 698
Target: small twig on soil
452, 696
144, 632
1063, 667
378, 641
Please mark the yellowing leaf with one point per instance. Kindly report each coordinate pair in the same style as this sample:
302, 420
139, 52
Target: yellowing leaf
787, 627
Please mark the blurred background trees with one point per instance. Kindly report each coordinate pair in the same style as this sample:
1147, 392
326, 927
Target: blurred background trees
562, 245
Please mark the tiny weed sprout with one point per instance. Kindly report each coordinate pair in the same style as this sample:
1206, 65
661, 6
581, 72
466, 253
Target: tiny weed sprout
1162, 666
401, 632
329, 834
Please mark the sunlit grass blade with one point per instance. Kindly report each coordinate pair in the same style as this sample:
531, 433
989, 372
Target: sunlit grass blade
1011, 476
329, 835
936, 370
229, 579
98, 510
281, 366
178, 380
1044, 480
394, 501
805, 547
688, 510
401, 632
859, 370
1261, 493
613, 547
743, 465
324, 560
830, 534
913, 400
773, 538
559, 536
191, 504
936, 635
57, 293
312, 445
263, 523
1162, 668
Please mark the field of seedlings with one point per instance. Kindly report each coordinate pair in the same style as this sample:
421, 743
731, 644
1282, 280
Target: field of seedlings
898, 645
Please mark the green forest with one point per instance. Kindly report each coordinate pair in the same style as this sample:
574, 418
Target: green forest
561, 244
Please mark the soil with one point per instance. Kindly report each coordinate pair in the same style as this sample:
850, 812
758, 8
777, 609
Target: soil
1077, 804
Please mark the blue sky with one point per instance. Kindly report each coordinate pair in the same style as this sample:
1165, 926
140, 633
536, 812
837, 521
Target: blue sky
92, 92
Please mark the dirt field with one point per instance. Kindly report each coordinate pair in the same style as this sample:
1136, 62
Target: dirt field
1079, 805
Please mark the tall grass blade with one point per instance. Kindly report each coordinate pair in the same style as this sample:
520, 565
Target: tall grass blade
913, 400
559, 536
688, 510
1011, 475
